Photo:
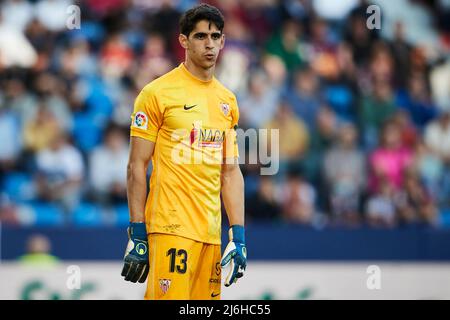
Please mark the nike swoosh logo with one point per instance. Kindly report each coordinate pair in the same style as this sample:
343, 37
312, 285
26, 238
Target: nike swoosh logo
190, 107
214, 295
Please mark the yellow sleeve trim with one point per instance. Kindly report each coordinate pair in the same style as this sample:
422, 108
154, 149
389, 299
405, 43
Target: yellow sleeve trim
145, 134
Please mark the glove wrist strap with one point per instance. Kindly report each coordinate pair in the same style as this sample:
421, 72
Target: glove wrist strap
237, 233
138, 230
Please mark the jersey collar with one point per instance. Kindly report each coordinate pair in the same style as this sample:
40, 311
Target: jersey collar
191, 76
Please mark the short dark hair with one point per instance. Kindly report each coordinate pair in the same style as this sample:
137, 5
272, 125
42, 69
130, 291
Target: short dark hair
201, 12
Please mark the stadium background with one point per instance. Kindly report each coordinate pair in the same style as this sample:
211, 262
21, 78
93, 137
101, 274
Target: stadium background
364, 142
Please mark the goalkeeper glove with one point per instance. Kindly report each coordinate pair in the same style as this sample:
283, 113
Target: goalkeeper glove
235, 254
136, 263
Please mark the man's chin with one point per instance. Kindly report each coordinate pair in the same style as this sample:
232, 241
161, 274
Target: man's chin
208, 65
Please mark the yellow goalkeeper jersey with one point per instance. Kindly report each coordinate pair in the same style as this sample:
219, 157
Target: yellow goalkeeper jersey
192, 123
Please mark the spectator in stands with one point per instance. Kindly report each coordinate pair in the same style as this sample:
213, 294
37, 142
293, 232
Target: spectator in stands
116, 57
326, 130
38, 252
298, 199
381, 64
108, 167
437, 138
293, 137
260, 103
53, 13
60, 172
17, 13
400, 49
416, 100
322, 50
389, 162
381, 208
439, 83
344, 170
408, 131
323, 137
236, 56
10, 145
347, 68
77, 60
360, 38
374, 110
415, 205
44, 41
8, 211
285, 44
19, 100
255, 17
264, 205
41, 130
122, 109
340, 83
276, 71
155, 60
51, 92
304, 97
15, 49
430, 169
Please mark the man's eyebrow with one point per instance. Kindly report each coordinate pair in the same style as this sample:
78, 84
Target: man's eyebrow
205, 33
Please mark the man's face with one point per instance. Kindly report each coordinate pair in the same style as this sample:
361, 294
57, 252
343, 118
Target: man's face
203, 44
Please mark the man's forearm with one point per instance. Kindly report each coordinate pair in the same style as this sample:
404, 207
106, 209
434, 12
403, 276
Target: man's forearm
136, 191
233, 196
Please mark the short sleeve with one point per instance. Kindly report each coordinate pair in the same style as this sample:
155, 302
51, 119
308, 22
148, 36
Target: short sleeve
147, 116
231, 148
234, 114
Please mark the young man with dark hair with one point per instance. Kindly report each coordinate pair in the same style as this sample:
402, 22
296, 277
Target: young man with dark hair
185, 123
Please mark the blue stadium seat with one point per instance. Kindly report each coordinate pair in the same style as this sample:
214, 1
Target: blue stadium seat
47, 214
99, 104
86, 133
18, 186
340, 99
87, 215
135, 39
94, 32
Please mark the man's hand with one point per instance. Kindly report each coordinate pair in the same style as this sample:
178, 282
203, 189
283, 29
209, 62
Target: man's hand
136, 255
236, 254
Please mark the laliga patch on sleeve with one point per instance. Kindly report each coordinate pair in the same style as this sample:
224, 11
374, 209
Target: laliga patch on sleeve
140, 120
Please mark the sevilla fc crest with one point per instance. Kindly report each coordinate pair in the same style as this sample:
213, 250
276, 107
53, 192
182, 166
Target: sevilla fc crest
225, 107
164, 284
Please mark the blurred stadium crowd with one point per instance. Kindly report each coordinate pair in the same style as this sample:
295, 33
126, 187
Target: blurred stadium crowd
364, 115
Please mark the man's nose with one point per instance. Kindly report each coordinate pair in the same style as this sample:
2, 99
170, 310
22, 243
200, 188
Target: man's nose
209, 42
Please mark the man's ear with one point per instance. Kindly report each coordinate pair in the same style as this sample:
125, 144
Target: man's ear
222, 43
183, 40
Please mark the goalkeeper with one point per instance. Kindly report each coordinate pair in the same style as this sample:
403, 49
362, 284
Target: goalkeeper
184, 122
